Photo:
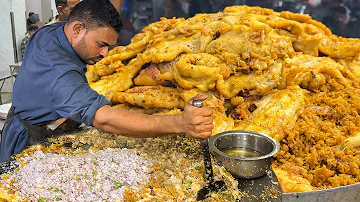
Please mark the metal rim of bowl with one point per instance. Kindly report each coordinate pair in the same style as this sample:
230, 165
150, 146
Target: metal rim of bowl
275, 144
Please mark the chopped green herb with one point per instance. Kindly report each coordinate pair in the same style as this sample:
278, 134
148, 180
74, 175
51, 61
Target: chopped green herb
198, 168
118, 185
43, 199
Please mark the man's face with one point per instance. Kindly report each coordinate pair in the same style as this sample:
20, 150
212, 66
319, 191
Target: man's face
93, 45
65, 9
32, 32
341, 17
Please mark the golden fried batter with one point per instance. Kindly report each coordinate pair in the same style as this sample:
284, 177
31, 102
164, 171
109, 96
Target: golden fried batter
151, 96
312, 72
275, 111
200, 70
257, 84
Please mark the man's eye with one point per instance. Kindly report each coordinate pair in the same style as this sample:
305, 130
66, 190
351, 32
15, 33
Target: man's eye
101, 45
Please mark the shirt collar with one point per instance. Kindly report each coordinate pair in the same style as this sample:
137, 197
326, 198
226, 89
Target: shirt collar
67, 46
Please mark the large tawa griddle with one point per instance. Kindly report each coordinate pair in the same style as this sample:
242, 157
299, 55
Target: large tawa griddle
265, 188
269, 189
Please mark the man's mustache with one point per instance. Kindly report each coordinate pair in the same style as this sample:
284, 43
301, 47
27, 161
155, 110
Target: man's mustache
97, 57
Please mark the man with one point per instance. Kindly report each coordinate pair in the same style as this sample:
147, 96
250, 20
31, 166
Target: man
28, 21
199, 6
51, 85
342, 24
35, 19
32, 28
63, 7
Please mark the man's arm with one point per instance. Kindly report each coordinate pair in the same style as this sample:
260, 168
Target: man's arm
194, 122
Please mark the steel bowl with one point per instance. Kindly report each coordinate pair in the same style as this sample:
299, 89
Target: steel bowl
241, 166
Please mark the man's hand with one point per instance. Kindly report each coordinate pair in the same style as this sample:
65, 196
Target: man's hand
197, 122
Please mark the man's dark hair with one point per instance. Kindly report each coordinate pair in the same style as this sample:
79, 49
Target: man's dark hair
340, 9
95, 14
60, 2
31, 13
33, 27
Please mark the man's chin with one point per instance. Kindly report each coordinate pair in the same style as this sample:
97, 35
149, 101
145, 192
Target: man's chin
90, 62
93, 61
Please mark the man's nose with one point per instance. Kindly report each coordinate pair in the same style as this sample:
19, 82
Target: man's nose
104, 51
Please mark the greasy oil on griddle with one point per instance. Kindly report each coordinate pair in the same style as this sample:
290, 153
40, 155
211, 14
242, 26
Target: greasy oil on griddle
241, 152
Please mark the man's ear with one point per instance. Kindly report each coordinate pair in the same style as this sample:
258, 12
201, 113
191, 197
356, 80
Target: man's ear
59, 9
78, 26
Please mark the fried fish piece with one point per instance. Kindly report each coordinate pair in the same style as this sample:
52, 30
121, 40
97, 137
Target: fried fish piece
312, 72
290, 182
275, 112
200, 70
120, 81
256, 84
151, 96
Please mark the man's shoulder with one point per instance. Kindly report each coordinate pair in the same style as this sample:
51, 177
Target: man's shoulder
47, 35
54, 20
49, 28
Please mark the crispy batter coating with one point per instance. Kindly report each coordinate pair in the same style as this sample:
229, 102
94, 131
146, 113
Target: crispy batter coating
200, 70
256, 83
313, 72
275, 111
151, 96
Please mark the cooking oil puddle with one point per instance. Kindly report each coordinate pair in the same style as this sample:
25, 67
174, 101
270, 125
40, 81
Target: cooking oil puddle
241, 152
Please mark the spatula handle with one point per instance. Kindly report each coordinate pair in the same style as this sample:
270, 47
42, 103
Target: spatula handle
209, 175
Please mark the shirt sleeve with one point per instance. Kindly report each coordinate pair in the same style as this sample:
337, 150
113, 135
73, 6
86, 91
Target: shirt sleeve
73, 98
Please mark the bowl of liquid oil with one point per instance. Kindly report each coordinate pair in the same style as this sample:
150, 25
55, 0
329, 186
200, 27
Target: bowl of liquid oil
245, 154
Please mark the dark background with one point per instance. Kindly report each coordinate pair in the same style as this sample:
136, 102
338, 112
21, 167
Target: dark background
137, 14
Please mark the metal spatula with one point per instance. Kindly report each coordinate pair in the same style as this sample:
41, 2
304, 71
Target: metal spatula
211, 186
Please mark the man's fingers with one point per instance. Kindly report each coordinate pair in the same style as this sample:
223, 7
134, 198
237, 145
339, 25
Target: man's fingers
197, 97
204, 128
206, 111
207, 120
203, 135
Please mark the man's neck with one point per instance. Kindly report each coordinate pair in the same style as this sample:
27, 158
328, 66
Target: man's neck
61, 18
39, 24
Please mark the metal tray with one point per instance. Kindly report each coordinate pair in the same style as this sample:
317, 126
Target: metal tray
349, 193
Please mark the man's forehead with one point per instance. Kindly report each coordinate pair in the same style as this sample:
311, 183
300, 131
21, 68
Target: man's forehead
104, 34
73, 2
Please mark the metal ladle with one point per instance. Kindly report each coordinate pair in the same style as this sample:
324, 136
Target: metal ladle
211, 186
